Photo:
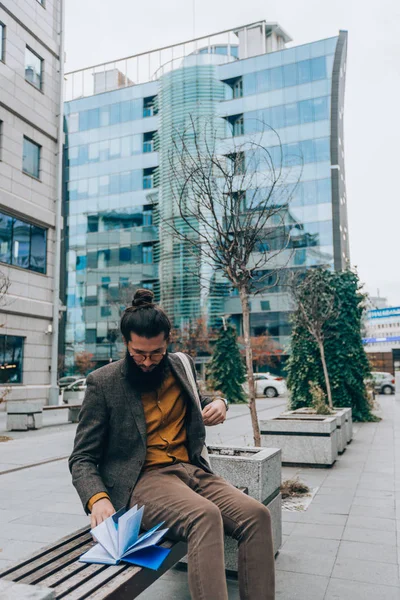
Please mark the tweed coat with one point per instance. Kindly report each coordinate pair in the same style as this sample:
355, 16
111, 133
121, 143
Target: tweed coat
110, 443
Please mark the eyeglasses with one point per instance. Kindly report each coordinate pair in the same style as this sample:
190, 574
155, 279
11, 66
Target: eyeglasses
155, 357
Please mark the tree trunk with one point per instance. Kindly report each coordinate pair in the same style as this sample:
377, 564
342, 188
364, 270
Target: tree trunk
327, 382
244, 299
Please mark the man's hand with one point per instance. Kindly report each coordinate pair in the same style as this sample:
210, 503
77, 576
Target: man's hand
214, 413
101, 510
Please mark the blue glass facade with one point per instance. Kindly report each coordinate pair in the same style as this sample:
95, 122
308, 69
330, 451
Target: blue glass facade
117, 165
111, 187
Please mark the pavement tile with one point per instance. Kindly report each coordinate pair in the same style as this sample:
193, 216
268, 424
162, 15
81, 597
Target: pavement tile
340, 589
16, 549
369, 536
37, 533
317, 564
363, 551
329, 532
48, 519
366, 571
375, 502
358, 510
381, 524
323, 518
299, 586
312, 544
9, 515
5, 563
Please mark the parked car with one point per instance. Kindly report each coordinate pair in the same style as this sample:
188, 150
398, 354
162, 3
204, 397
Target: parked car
75, 391
384, 383
64, 381
268, 385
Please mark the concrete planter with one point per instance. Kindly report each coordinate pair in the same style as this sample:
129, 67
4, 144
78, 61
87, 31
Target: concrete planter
348, 422
24, 415
304, 439
258, 469
340, 416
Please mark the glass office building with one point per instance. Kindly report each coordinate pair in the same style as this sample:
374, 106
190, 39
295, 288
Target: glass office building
120, 120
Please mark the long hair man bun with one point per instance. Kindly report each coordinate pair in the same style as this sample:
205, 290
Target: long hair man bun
143, 297
144, 318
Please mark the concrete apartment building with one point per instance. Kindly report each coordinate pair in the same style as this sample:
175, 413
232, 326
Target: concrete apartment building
30, 100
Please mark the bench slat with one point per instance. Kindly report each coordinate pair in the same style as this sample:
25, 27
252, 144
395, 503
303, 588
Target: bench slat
88, 587
64, 573
83, 576
46, 557
56, 565
12, 570
127, 587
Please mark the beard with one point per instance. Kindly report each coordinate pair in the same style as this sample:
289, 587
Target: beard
148, 381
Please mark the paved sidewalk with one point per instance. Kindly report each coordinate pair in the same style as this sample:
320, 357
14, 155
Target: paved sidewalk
344, 546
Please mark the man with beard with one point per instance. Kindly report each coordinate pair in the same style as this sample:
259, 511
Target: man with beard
140, 440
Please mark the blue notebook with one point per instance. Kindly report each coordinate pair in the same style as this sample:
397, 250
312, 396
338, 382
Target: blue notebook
119, 540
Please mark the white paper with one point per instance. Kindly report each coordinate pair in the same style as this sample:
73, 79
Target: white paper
103, 534
128, 529
98, 554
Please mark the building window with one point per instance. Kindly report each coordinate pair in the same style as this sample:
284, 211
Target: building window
41, 2
2, 41
147, 255
149, 178
238, 126
11, 357
31, 158
148, 141
147, 218
22, 244
149, 106
236, 85
237, 162
33, 68
265, 305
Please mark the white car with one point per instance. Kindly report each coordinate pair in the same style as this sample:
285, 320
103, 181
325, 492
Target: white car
268, 385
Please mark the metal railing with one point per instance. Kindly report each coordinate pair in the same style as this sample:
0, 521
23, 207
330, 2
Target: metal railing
148, 66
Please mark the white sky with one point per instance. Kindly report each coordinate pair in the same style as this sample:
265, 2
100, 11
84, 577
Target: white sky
100, 30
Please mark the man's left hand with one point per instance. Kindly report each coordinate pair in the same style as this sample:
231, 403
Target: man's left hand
214, 413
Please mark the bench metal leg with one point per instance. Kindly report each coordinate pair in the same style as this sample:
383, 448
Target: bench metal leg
73, 414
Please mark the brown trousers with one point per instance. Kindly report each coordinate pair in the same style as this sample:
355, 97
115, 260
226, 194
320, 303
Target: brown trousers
199, 507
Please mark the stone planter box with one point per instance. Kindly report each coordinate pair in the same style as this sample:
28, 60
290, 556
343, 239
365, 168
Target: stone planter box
258, 469
348, 422
309, 440
340, 416
24, 415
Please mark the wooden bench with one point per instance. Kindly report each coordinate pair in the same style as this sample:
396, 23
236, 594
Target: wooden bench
73, 410
57, 568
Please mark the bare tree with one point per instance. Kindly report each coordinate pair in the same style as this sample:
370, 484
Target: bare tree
193, 337
231, 212
316, 305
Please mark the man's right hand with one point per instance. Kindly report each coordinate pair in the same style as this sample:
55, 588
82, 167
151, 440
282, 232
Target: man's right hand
101, 510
